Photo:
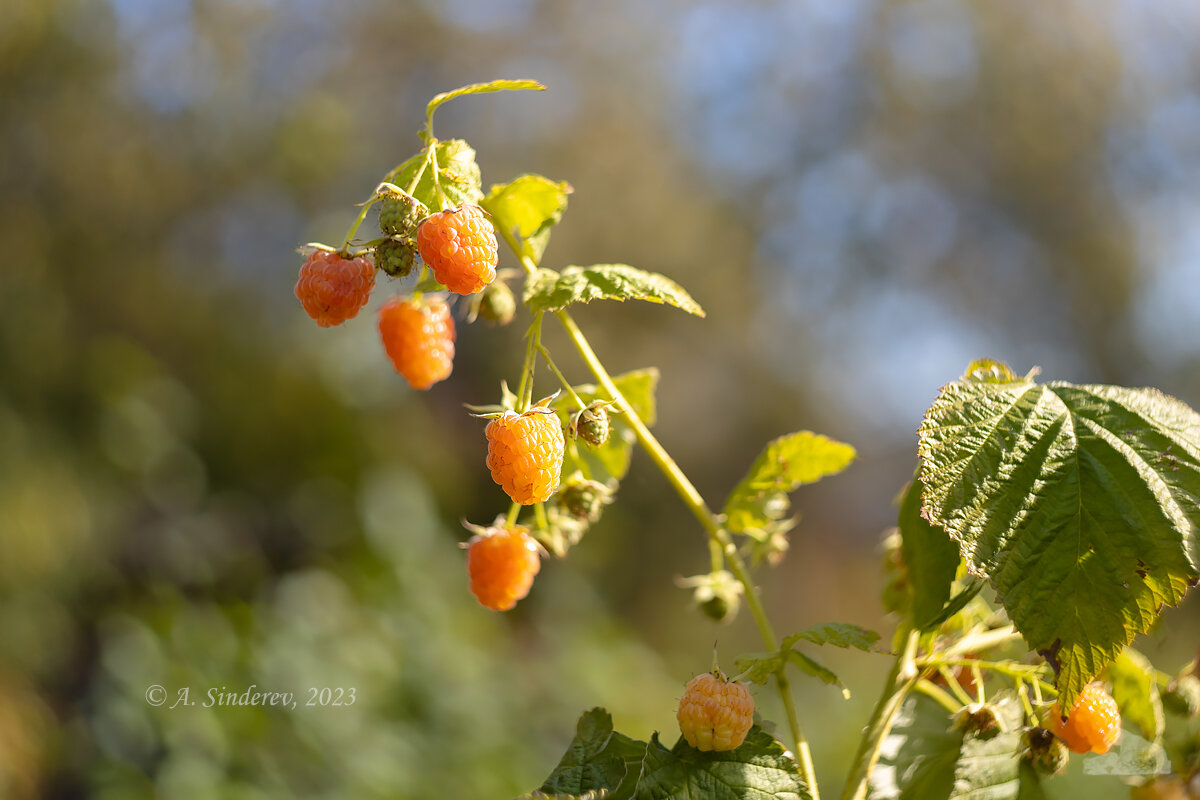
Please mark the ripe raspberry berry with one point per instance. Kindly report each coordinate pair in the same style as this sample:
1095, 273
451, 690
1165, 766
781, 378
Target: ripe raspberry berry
333, 289
715, 714
501, 563
525, 454
1094, 724
418, 336
460, 247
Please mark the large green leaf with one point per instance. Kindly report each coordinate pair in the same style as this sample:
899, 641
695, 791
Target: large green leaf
1079, 503
784, 464
598, 759
547, 290
760, 769
526, 209
610, 459
457, 172
931, 558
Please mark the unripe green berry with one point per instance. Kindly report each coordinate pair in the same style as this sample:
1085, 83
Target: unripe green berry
497, 304
593, 425
584, 499
399, 214
396, 256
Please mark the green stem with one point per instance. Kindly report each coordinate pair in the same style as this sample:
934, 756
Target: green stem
437, 184
561, 378
936, 692
955, 687
362, 215
903, 677
525, 387
513, 513
720, 543
412, 186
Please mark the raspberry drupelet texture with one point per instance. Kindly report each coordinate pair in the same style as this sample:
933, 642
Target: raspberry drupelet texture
333, 289
501, 564
460, 247
715, 714
525, 454
1094, 724
418, 336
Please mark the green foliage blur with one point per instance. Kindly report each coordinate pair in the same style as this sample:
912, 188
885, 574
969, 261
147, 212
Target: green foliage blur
200, 489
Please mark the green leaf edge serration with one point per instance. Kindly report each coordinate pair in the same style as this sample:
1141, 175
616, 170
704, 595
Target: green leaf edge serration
973, 498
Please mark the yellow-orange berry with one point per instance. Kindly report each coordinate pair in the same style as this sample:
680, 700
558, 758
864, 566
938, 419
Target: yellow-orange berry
333, 289
715, 714
525, 454
501, 564
1092, 726
418, 337
460, 247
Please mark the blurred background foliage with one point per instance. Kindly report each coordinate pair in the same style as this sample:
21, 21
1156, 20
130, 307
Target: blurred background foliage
200, 488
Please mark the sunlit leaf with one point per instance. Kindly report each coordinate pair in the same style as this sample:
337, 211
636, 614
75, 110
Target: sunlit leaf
760, 768
784, 464
457, 172
547, 290
1078, 503
527, 208
501, 85
597, 760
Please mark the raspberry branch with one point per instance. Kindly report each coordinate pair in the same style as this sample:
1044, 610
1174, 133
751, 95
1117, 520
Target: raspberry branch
721, 545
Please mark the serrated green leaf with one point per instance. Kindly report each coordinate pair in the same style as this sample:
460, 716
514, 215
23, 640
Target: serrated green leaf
612, 458
1135, 688
811, 667
758, 667
1078, 503
547, 290
501, 85
784, 464
989, 762
457, 172
931, 558
597, 760
526, 209
760, 768
838, 634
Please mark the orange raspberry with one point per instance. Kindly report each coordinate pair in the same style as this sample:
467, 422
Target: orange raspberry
333, 289
418, 336
501, 563
460, 247
715, 714
525, 454
1094, 724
